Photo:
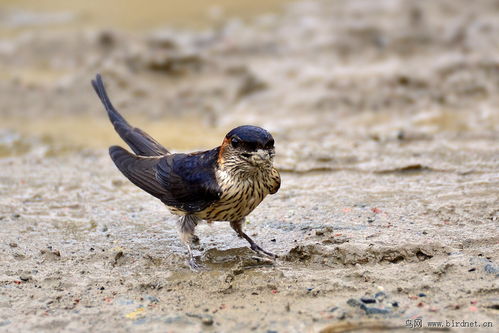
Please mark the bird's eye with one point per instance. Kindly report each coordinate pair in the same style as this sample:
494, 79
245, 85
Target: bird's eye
234, 142
250, 146
270, 144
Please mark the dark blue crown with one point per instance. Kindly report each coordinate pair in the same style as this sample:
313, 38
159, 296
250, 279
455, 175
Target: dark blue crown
248, 133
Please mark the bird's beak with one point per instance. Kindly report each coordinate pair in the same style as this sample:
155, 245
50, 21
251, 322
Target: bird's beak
263, 155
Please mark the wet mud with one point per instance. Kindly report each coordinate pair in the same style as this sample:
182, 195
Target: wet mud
386, 131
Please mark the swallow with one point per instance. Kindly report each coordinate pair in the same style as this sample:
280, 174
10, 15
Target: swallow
225, 183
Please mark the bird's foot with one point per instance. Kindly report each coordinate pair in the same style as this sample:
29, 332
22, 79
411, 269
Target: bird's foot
192, 262
258, 249
194, 266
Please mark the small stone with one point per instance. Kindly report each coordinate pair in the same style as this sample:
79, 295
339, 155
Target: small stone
422, 295
207, 320
395, 304
355, 303
380, 296
491, 269
25, 278
13, 244
370, 310
152, 299
367, 300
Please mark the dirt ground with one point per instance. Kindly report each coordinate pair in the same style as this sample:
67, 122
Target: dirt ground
386, 120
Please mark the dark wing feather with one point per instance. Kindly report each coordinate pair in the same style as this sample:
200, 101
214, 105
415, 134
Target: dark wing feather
184, 181
190, 179
139, 170
140, 142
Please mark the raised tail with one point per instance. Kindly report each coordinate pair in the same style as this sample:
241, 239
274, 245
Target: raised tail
141, 143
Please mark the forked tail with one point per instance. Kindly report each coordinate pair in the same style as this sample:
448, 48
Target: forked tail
139, 141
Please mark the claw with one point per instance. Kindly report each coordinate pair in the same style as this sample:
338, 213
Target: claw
192, 262
195, 267
258, 249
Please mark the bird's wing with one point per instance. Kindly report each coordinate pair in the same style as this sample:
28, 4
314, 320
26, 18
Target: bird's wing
140, 142
190, 180
184, 181
139, 170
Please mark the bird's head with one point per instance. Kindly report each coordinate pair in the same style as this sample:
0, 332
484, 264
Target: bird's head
248, 147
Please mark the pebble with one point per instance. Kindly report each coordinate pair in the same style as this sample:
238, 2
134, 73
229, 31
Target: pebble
25, 278
207, 320
152, 299
369, 310
13, 244
491, 269
354, 303
367, 300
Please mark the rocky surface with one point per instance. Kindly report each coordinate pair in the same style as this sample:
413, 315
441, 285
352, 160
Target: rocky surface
385, 118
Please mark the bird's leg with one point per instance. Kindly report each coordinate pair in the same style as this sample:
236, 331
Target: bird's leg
186, 226
238, 228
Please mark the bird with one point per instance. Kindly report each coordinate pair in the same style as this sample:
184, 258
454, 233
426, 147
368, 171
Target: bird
225, 183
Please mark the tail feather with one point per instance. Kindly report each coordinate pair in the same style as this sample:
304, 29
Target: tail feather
139, 141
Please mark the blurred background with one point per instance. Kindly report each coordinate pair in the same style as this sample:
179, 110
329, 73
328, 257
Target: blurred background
335, 81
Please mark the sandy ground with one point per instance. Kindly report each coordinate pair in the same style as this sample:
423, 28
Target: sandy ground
386, 124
